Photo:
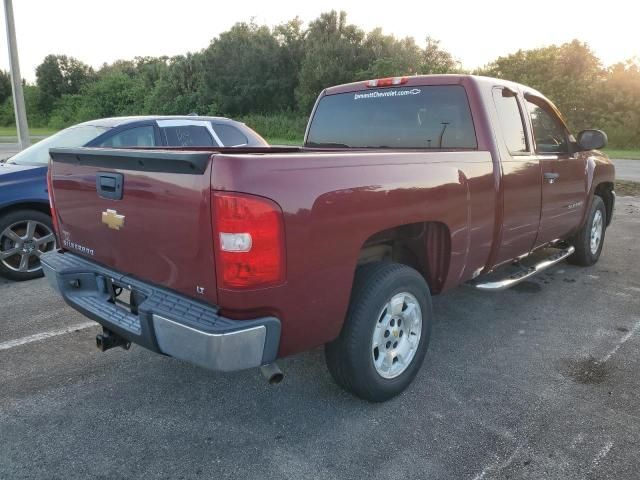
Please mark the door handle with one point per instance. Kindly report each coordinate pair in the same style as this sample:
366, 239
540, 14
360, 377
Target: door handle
109, 185
551, 177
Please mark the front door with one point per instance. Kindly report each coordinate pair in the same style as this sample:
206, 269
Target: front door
563, 174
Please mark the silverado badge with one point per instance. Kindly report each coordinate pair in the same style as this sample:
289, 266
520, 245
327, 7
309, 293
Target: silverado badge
112, 219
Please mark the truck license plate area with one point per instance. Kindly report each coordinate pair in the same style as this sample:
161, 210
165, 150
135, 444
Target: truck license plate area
123, 296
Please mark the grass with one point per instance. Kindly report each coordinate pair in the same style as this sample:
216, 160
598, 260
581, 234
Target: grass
11, 131
283, 141
623, 154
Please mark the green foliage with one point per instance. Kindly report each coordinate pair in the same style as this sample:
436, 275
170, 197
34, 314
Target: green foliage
6, 113
242, 72
271, 77
437, 61
567, 74
180, 88
587, 94
619, 105
5, 86
334, 53
114, 94
389, 56
60, 75
284, 126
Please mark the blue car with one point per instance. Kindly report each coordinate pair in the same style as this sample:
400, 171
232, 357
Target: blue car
25, 223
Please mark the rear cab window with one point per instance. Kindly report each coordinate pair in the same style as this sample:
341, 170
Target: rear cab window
421, 117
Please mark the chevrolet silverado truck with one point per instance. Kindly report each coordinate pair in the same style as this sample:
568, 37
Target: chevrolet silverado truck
405, 187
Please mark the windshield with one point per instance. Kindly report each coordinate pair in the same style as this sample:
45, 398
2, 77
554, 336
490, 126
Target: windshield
435, 116
38, 154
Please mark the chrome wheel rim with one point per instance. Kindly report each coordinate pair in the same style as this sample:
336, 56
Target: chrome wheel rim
22, 243
396, 335
596, 231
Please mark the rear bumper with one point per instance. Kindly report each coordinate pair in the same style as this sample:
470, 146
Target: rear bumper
166, 322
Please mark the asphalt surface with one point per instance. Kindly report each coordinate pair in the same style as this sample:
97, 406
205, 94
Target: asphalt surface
8, 149
627, 170
538, 382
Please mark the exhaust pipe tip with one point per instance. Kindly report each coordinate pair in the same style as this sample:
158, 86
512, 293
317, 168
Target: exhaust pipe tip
272, 373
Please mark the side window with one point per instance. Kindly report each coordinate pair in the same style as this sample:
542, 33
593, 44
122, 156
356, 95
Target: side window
510, 119
133, 137
187, 136
548, 130
230, 136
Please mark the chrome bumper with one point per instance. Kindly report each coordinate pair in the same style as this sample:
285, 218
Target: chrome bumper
165, 322
216, 351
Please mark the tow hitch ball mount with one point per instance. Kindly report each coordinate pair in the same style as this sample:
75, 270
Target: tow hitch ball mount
107, 339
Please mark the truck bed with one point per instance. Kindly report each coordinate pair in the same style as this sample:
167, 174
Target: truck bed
334, 201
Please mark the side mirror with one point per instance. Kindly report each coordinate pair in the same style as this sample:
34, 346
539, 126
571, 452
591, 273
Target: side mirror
592, 140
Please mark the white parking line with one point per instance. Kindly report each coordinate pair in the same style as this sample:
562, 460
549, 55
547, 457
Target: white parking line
43, 335
622, 341
497, 466
604, 451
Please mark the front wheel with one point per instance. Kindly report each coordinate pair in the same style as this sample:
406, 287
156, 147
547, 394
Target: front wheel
589, 240
386, 334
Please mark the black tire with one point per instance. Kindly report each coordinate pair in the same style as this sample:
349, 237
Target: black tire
12, 218
350, 357
583, 255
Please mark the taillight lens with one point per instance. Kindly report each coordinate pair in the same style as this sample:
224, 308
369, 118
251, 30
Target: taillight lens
249, 241
54, 214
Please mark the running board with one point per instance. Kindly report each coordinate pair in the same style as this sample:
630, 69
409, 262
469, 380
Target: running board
527, 272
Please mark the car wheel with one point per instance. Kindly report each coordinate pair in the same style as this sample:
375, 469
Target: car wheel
24, 236
386, 334
589, 240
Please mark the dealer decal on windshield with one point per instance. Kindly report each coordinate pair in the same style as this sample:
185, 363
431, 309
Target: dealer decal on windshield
386, 93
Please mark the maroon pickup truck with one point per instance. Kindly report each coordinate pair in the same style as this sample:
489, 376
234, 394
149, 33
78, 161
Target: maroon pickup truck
405, 187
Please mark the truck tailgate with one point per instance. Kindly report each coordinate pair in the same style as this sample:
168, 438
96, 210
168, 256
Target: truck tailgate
143, 213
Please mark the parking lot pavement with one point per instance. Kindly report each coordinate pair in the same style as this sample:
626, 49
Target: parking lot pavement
537, 382
627, 170
8, 149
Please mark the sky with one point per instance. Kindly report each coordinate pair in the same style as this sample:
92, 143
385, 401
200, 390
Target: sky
475, 32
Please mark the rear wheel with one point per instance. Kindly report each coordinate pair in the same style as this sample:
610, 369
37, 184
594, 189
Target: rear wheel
24, 236
386, 334
589, 240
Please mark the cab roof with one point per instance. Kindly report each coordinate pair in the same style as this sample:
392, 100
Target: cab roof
112, 122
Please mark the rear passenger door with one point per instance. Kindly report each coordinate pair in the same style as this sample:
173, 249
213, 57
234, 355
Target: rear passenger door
521, 177
563, 174
188, 133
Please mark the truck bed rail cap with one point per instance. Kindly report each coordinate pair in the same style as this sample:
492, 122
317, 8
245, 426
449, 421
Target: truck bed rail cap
186, 162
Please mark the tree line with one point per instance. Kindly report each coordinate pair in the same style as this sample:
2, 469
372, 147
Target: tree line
271, 76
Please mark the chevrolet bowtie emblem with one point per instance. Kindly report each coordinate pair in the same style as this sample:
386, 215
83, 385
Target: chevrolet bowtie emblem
112, 219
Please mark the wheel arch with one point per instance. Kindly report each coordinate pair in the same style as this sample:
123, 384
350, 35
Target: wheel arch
39, 206
424, 246
605, 190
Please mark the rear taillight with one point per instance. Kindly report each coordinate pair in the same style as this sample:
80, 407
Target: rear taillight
386, 82
52, 206
248, 240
